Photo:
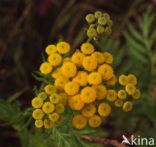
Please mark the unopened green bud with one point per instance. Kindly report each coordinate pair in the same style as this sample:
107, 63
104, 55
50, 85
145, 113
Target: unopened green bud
108, 30
91, 32
90, 18
95, 38
106, 15
110, 23
102, 21
92, 26
98, 14
100, 29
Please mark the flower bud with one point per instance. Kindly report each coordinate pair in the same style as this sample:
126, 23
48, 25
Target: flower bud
91, 32
106, 16
108, 30
100, 29
90, 18
110, 23
92, 26
102, 21
98, 14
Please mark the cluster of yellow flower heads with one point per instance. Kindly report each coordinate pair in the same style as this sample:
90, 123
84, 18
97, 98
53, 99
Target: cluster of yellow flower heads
82, 82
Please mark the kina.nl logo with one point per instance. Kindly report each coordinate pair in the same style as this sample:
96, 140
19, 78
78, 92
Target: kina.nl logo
138, 141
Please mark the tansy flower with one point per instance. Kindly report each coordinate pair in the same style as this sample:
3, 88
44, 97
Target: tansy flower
63, 47
39, 123
60, 120
37, 102
108, 58
111, 95
99, 57
122, 94
112, 81
89, 110
69, 69
95, 121
56, 73
89, 63
54, 117
54, 98
55, 59
60, 82
130, 89
101, 91
77, 58
106, 71
46, 68
132, 79
48, 107
59, 108
118, 103
123, 80
51, 49
104, 109
75, 102
79, 121
94, 78
81, 78
48, 124
63, 98
71, 88
42, 95
136, 94
37, 114
88, 94
49, 89
127, 106
67, 59
87, 48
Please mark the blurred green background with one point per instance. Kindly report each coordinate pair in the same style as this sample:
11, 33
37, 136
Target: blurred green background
28, 26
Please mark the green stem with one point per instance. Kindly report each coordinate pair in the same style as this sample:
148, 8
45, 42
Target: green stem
89, 40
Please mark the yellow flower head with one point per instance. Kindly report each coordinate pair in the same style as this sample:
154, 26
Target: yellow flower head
106, 71
89, 63
118, 103
42, 95
101, 91
104, 109
136, 94
81, 78
63, 98
132, 79
49, 89
122, 94
123, 80
89, 110
48, 124
54, 98
111, 95
55, 59
77, 58
60, 82
99, 57
59, 108
130, 89
39, 123
69, 69
71, 88
94, 78
88, 94
87, 48
127, 106
54, 117
37, 114
112, 81
48, 107
63, 47
75, 102
79, 121
50, 49
67, 59
95, 121
46, 68
56, 73
37, 102
108, 58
